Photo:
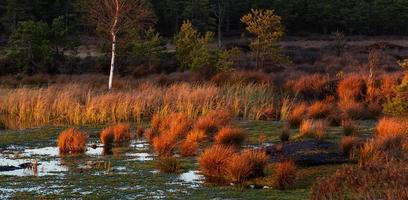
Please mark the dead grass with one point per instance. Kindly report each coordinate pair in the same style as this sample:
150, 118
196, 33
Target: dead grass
72, 141
285, 174
231, 136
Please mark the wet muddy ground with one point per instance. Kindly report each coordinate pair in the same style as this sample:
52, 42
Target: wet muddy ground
31, 167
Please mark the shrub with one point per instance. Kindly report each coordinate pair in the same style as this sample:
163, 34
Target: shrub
285, 174
350, 127
191, 47
214, 160
238, 168
211, 122
168, 164
230, 136
352, 88
72, 141
390, 126
297, 114
314, 128
348, 144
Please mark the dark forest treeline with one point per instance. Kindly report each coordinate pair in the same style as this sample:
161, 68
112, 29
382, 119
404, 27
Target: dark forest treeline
42, 36
371, 17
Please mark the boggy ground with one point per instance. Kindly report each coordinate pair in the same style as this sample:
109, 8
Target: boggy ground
130, 172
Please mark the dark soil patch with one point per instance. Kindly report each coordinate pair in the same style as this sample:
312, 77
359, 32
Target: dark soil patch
307, 153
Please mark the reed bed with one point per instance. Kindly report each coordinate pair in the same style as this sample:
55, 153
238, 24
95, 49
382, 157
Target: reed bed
78, 104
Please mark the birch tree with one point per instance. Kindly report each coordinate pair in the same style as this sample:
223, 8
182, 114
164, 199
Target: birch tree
113, 17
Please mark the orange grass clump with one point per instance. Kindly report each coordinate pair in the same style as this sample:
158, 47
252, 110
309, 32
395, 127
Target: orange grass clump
390, 126
122, 133
285, 174
190, 145
72, 141
258, 159
213, 162
352, 88
320, 110
297, 114
348, 145
312, 86
118, 134
211, 122
351, 109
168, 132
238, 169
230, 136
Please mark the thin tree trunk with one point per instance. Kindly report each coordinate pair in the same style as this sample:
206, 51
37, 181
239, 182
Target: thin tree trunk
113, 33
219, 33
112, 61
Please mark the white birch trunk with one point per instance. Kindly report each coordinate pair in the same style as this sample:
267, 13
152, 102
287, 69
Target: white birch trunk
112, 69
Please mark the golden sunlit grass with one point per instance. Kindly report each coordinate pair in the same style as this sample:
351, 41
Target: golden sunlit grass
72, 141
79, 104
